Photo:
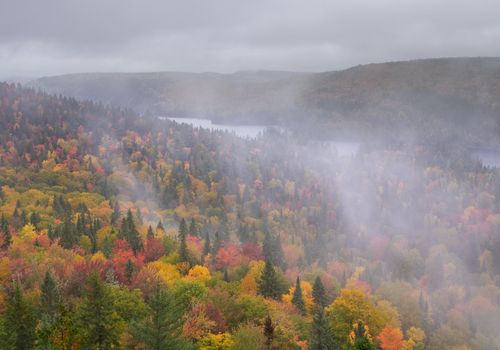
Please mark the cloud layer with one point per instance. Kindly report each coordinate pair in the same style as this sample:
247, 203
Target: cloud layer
59, 36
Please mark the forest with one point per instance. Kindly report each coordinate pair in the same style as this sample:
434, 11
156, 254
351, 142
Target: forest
119, 230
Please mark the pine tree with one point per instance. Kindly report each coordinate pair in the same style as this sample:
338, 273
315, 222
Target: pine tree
159, 226
150, 234
297, 298
4, 229
182, 228
361, 340
318, 293
129, 271
193, 229
99, 321
268, 283
321, 337
206, 247
269, 332
138, 216
160, 329
19, 322
50, 298
130, 234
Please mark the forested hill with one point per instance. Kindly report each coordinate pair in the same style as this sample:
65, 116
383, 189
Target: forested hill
119, 231
430, 100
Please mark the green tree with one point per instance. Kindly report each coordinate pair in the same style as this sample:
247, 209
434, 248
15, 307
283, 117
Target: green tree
50, 298
193, 228
319, 293
268, 284
19, 322
100, 324
129, 232
361, 339
150, 234
321, 337
161, 328
297, 298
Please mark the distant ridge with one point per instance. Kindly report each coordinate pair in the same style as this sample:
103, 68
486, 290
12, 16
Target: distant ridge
425, 98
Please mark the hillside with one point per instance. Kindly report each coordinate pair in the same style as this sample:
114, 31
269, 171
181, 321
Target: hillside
428, 100
121, 231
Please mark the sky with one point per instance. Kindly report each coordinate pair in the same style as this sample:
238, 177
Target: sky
51, 37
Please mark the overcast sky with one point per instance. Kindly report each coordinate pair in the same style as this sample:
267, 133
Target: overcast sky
62, 36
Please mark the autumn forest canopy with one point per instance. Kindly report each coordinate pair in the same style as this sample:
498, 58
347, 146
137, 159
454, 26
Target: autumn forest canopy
121, 230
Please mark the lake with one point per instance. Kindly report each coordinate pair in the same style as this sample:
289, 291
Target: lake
244, 131
489, 158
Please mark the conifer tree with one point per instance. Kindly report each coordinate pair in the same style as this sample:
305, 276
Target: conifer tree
50, 298
129, 233
183, 250
206, 247
321, 337
318, 293
297, 298
193, 229
4, 229
129, 271
160, 226
360, 339
19, 322
160, 329
150, 234
268, 283
99, 322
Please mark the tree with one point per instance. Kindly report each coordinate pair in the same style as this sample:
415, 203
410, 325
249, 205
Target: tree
183, 228
150, 234
268, 284
130, 234
183, 249
160, 330
319, 293
129, 271
391, 338
297, 298
19, 322
206, 247
360, 338
50, 298
269, 332
100, 324
4, 229
321, 337
193, 229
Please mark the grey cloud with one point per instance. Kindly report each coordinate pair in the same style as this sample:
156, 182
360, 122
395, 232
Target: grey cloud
58, 36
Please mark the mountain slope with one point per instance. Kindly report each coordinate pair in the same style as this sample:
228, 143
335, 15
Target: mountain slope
429, 99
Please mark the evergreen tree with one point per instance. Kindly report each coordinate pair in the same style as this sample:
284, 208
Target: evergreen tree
193, 229
206, 247
273, 251
99, 322
182, 228
361, 339
318, 293
4, 229
130, 234
160, 330
321, 337
183, 251
297, 298
19, 322
129, 271
150, 234
50, 298
159, 226
268, 283
269, 332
